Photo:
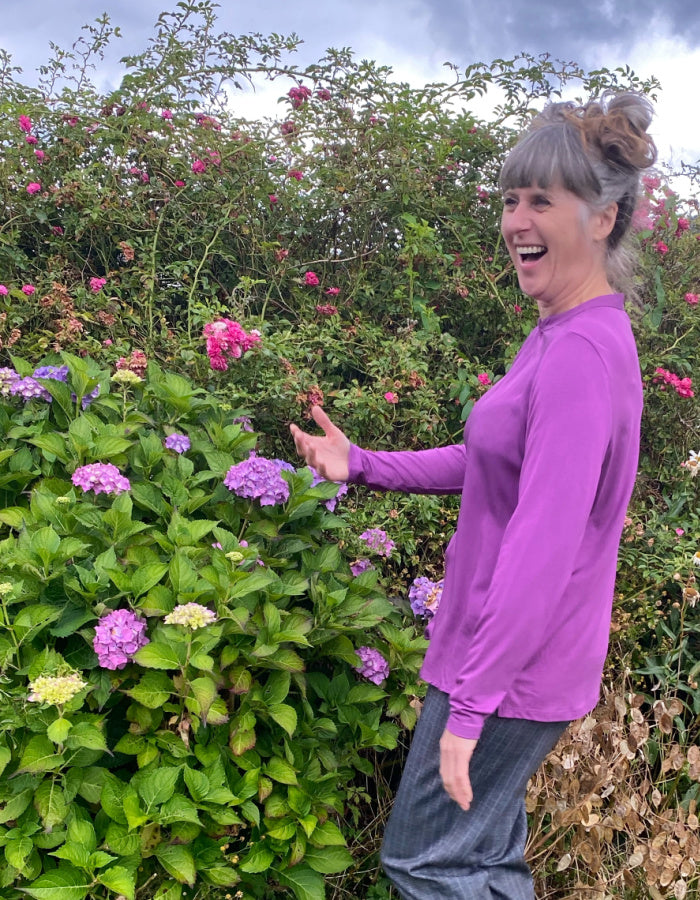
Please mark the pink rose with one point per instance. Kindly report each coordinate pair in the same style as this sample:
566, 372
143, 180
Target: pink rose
296, 174
692, 299
273, 199
198, 167
391, 397
40, 155
311, 279
33, 187
3, 291
96, 284
28, 289
25, 123
483, 378
661, 248
179, 184
30, 139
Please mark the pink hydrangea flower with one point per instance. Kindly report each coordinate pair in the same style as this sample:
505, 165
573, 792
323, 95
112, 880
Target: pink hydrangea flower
661, 248
40, 155
198, 166
377, 540
118, 636
166, 114
311, 279
372, 666
25, 123
28, 289
296, 174
299, 95
226, 338
31, 139
96, 284
323, 94
391, 397
102, 478
33, 187
651, 182
682, 386
691, 299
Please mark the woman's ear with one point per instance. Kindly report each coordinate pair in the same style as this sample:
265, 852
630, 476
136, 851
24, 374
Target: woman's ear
605, 222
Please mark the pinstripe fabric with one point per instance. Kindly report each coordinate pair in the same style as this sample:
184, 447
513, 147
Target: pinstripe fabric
433, 850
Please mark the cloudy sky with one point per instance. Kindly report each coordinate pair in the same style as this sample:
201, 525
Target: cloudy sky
415, 38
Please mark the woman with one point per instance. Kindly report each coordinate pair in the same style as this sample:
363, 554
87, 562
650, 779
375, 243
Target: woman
545, 472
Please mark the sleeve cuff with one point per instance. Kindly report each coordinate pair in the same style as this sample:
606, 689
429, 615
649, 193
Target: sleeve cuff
466, 725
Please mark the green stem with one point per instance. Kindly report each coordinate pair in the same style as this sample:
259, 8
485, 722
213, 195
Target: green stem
151, 299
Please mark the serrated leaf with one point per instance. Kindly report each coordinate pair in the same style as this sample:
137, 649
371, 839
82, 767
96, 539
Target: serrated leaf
50, 803
158, 655
284, 715
40, 756
257, 860
119, 880
64, 883
156, 786
280, 770
178, 809
146, 577
58, 731
328, 834
153, 690
17, 849
306, 884
82, 832
328, 860
15, 806
177, 860
240, 741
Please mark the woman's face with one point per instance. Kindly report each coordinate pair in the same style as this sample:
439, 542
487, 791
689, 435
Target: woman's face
557, 244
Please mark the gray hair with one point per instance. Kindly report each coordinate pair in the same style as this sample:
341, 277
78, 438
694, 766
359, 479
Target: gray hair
597, 152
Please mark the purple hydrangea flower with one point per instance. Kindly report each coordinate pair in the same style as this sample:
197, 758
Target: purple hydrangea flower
377, 540
180, 443
360, 566
258, 478
7, 378
117, 637
245, 423
374, 667
330, 504
283, 465
102, 478
88, 398
28, 388
57, 373
424, 595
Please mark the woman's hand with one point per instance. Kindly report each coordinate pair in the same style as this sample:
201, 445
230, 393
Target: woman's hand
455, 756
328, 454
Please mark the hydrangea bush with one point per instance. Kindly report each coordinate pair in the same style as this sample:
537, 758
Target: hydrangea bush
182, 651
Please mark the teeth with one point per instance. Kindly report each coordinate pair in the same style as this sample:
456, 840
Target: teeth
533, 249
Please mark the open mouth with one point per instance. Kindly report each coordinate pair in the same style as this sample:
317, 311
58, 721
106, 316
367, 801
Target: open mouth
531, 253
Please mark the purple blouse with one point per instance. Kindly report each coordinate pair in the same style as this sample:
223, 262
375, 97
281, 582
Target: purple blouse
546, 471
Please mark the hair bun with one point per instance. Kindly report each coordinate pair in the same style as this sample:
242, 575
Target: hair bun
617, 126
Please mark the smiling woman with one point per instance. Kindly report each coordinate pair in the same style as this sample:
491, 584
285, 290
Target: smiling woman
518, 644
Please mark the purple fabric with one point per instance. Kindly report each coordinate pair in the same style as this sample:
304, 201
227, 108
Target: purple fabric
546, 471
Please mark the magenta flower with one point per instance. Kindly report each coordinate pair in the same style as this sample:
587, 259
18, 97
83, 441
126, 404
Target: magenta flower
257, 478
31, 139
25, 123
691, 299
323, 94
651, 182
118, 636
333, 291
327, 309
179, 183
682, 386
299, 95
198, 166
180, 443
28, 289
3, 290
226, 338
661, 248
311, 279
40, 155
483, 378
424, 595
56, 229
102, 478
377, 540
296, 174
166, 114
273, 198
373, 666
33, 187
96, 284
391, 397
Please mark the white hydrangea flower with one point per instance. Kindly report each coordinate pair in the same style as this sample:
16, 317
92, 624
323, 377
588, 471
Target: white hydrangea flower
56, 689
190, 615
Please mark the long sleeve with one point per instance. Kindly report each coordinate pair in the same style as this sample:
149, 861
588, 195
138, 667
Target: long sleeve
437, 471
567, 437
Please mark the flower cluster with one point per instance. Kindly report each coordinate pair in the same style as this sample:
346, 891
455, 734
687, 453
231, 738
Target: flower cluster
136, 363
7, 378
391, 397
373, 666
327, 309
28, 388
483, 378
311, 279
102, 478
330, 504
180, 443
682, 386
226, 338
299, 95
377, 540
425, 595
56, 689
96, 284
190, 615
257, 478
117, 637
360, 565
692, 299
126, 377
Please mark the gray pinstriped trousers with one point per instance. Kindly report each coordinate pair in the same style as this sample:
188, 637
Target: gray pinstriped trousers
432, 849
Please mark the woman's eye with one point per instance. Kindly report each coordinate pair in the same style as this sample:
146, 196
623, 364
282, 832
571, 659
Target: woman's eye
509, 201
541, 201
